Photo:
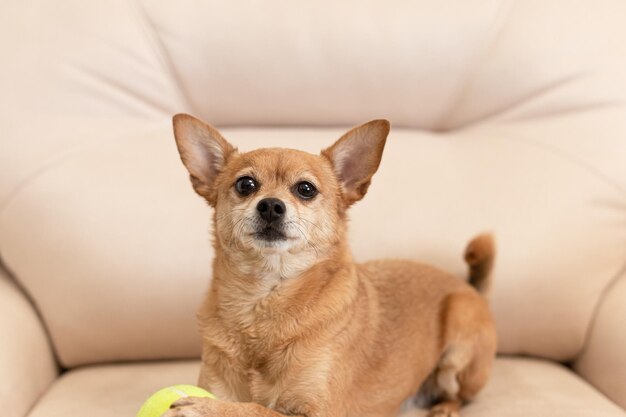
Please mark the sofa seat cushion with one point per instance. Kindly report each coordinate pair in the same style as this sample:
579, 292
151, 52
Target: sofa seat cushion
519, 387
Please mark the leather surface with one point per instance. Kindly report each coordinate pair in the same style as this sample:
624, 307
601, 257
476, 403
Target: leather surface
519, 387
508, 116
26, 358
603, 361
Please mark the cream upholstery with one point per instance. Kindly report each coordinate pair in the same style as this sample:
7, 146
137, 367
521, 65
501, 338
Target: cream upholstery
26, 358
603, 361
508, 116
100, 391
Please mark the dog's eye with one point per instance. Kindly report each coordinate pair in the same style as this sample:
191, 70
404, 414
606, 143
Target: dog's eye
246, 185
305, 190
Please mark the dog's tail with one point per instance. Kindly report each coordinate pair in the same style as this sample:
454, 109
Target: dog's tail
479, 255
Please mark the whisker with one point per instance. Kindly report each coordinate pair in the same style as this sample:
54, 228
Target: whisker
299, 227
311, 223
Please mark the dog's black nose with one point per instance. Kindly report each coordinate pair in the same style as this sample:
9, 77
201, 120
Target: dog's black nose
271, 209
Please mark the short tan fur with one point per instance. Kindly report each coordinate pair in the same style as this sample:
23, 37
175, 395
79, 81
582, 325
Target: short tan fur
291, 325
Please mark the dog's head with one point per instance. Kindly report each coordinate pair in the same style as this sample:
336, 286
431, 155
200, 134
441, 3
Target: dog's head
279, 200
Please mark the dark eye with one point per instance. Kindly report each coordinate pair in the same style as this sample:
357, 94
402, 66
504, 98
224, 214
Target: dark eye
246, 185
306, 190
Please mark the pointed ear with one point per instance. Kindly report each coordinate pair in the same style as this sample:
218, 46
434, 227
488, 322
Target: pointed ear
204, 153
355, 157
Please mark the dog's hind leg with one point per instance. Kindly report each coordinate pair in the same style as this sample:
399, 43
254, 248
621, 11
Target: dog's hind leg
469, 349
446, 382
445, 409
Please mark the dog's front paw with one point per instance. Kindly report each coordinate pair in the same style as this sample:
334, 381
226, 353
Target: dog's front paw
194, 407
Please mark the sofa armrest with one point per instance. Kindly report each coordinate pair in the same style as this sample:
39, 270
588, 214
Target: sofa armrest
27, 362
603, 361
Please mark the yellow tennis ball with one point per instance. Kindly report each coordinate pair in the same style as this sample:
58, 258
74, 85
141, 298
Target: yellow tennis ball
159, 402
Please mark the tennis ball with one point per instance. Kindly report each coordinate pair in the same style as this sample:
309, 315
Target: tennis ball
159, 402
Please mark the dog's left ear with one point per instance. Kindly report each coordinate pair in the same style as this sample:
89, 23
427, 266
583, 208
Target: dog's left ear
355, 157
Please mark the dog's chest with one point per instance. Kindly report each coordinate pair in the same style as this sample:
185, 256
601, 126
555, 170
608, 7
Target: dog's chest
278, 377
287, 382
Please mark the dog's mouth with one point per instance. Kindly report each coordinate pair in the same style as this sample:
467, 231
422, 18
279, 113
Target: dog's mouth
270, 234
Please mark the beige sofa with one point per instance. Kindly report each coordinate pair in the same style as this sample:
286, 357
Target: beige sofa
508, 116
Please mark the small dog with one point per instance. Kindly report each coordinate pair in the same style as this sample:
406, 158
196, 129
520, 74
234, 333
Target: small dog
291, 325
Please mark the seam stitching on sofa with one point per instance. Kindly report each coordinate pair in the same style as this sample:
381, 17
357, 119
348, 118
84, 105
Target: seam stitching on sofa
53, 161
502, 14
563, 111
591, 169
33, 175
116, 88
621, 274
543, 90
160, 49
29, 298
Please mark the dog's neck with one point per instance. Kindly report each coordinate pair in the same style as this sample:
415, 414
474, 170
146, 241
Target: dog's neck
262, 271
275, 288
268, 267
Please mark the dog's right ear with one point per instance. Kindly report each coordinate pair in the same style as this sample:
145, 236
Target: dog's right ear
203, 151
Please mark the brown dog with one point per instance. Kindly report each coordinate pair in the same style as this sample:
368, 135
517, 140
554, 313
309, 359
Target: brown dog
291, 325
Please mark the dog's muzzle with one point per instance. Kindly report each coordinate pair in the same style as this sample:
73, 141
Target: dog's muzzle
271, 211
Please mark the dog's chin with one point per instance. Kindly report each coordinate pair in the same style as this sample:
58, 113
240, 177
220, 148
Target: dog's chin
271, 238
270, 234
